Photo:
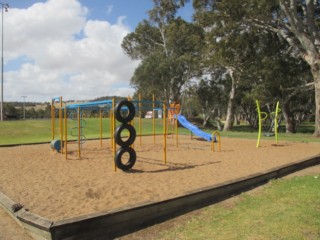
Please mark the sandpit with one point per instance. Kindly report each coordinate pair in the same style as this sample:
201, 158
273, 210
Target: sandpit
55, 188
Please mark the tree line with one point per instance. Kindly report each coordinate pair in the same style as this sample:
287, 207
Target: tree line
33, 110
27, 110
230, 54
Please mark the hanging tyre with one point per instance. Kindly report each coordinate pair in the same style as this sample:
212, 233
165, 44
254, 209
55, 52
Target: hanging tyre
131, 138
131, 111
126, 164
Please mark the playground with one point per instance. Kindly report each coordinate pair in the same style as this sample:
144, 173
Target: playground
50, 186
126, 177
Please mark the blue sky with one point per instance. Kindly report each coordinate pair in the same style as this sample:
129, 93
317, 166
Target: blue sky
70, 48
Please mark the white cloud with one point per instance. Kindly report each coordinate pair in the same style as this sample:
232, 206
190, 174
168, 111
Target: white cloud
69, 55
109, 9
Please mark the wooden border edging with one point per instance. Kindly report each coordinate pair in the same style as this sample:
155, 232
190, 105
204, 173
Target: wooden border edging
119, 222
35, 226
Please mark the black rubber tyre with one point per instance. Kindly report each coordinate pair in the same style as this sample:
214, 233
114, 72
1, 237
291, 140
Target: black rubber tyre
131, 109
132, 135
118, 158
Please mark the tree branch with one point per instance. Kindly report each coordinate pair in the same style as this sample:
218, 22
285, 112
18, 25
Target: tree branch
310, 18
309, 87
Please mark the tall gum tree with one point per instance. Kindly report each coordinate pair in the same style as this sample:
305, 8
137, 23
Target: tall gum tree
172, 42
296, 21
304, 25
229, 44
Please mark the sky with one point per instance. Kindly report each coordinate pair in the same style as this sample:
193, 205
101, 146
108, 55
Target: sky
70, 48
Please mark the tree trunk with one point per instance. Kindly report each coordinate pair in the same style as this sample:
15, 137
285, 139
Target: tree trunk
231, 104
206, 117
237, 118
316, 76
306, 34
312, 58
205, 121
289, 118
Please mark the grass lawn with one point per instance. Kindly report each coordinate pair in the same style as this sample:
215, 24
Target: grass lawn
34, 131
284, 209
28, 131
304, 133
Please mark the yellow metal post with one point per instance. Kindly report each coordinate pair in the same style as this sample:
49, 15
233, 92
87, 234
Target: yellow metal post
66, 131
52, 120
164, 134
216, 133
101, 128
132, 123
60, 125
79, 138
260, 119
177, 131
140, 123
111, 125
259, 122
113, 139
278, 110
153, 121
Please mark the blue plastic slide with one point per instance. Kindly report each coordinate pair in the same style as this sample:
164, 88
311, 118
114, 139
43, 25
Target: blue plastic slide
194, 129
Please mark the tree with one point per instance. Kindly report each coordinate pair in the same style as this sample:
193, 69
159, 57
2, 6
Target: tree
209, 94
10, 111
297, 22
230, 45
280, 77
168, 48
151, 77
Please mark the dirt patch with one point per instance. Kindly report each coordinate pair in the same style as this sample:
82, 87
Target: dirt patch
55, 188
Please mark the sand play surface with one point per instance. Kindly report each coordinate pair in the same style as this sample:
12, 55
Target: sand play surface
55, 188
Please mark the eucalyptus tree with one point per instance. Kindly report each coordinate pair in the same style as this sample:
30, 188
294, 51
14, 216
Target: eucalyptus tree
168, 48
230, 44
281, 79
287, 79
277, 76
210, 93
295, 21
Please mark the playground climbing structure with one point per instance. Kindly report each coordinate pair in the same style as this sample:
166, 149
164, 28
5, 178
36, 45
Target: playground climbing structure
121, 119
262, 116
73, 112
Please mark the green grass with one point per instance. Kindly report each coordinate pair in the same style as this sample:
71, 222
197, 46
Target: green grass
16, 132
284, 209
33, 131
297, 137
304, 133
